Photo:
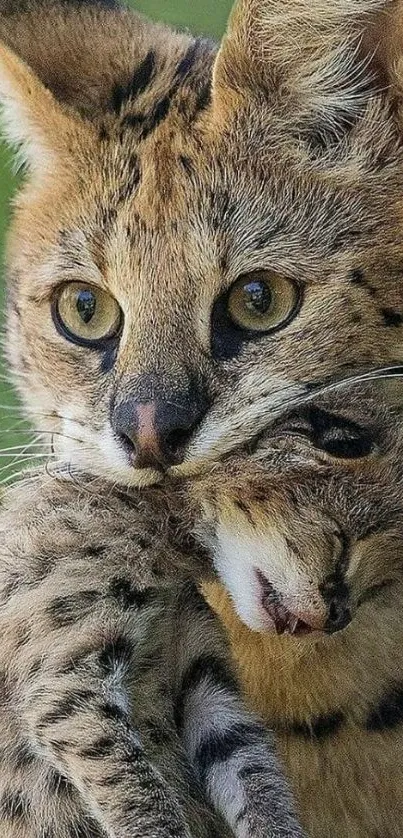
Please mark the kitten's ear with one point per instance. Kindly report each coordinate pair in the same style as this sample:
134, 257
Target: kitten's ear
317, 60
32, 120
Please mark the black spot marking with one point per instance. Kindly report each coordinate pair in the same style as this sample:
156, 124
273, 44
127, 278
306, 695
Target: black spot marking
391, 317
99, 749
94, 551
121, 589
187, 164
320, 727
60, 785
159, 113
133, 120
141, 79
220, 746
23, 636
35, 667
103, 133
14, 582
204, 97
112, 712
116, 653
69, 609
389, 712
71, 703
187, 61
204, 668
13, 806
357, 277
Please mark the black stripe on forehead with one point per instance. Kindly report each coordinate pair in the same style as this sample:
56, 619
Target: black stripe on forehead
388, 713
193, 71
142, 77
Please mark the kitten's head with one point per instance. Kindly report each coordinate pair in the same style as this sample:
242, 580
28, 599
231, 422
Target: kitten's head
306, 529
199, 236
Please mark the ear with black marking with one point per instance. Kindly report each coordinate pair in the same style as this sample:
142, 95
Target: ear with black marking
317, 62
62, 65
33, 121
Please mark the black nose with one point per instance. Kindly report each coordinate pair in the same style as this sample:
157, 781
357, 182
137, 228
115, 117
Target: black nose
155, 431
339, 615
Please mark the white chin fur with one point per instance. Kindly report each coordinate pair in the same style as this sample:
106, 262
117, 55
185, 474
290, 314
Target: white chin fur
235, 559
239, 554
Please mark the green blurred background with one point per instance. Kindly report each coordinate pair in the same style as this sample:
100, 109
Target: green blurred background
201, 16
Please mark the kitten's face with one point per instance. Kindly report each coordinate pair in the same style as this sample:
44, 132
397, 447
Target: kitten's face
306, 530
184, 261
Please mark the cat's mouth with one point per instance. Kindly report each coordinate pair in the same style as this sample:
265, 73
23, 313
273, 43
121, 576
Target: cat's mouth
281, 618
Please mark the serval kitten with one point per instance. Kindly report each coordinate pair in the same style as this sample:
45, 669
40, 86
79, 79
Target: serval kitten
307, 533
120, 715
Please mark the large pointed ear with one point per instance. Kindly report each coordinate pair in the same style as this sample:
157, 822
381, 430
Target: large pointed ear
63, 65
32, 120
318, 62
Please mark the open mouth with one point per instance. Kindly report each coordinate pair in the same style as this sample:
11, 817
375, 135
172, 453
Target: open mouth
284, 621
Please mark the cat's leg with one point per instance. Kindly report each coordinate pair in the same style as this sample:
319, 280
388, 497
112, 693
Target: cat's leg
230, 749
77, 714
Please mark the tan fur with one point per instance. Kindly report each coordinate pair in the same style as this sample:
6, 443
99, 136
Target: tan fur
297, 168
293, 164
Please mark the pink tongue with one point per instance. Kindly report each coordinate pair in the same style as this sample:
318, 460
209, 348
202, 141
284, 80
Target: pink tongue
284, 621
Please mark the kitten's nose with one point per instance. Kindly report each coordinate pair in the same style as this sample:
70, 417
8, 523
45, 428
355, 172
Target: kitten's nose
156, 431
339, 615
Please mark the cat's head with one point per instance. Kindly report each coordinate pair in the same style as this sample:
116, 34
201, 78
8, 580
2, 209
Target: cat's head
199, 236
306, 528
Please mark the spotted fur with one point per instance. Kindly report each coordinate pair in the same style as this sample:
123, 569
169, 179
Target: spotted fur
120, 714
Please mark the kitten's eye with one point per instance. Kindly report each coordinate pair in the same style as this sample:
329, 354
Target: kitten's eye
263, 301
87, 315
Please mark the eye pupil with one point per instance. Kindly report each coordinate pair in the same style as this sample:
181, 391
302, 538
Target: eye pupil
86, 305
258, 298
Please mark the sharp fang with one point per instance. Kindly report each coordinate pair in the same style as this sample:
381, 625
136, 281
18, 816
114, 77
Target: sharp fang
293, 625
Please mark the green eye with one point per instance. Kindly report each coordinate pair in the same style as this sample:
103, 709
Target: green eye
86, 314
263, 301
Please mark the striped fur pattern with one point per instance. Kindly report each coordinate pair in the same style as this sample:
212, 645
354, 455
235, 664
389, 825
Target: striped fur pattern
120, 713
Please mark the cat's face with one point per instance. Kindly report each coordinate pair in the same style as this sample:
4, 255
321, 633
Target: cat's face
199, 239
306, 529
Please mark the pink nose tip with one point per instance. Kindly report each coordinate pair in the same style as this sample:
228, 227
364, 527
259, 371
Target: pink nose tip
148, 450
154, 423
